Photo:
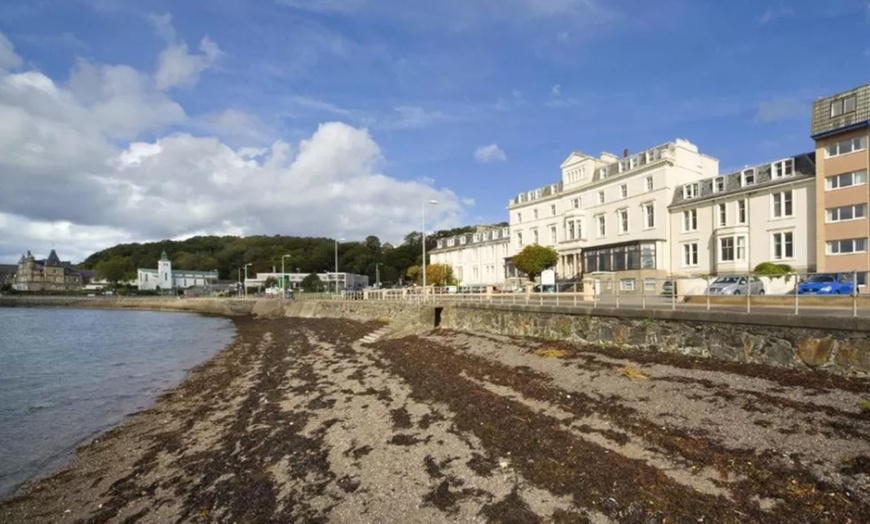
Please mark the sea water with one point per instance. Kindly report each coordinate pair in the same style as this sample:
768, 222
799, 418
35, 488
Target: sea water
67, 375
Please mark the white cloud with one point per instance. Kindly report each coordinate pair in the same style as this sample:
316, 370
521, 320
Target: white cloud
8, 58
488, 154
413, 117
74, 173
774, 13
781, 109
556, 90
176, 66
324, 6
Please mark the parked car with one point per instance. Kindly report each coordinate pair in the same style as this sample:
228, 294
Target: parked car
827, 284
669, 288
736, 285
541, 288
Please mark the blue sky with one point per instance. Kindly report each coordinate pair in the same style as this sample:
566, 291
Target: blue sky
413, 90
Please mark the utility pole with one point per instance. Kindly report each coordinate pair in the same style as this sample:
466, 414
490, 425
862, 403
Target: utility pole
378, 275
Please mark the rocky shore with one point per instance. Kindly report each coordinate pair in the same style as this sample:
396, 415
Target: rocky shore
315, 420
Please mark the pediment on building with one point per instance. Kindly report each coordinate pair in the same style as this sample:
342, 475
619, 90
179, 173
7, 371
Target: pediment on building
573, 158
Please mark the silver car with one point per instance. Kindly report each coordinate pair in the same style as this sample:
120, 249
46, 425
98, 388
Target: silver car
736, 285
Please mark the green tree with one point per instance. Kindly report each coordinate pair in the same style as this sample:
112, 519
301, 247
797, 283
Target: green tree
414, 274
440, 275
115, 270
6, 287
534, 259
312, 283
772, 269
271, 282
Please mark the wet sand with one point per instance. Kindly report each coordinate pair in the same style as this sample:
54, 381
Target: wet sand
302, 421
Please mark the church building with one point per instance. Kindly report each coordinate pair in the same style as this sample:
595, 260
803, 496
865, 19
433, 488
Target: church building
164, 278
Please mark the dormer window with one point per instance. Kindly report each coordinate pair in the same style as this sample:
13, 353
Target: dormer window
602, 173
476, 237
635, 161
653, 155
440, 244
462, 241
844, 105
782, 168
690, 191
747, 177
719, 184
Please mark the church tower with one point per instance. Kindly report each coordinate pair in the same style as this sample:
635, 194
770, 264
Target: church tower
164, 272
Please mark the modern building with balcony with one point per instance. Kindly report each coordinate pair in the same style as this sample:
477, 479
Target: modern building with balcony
733, 222
841, 131
608, 217
477, 259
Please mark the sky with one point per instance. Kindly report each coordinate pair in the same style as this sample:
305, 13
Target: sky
135, 121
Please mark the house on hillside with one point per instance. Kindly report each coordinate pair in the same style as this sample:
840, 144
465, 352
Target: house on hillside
49, 274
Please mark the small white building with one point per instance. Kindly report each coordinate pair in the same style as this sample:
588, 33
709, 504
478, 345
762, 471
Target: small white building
346, 281
164, 278
733, 222
477, 259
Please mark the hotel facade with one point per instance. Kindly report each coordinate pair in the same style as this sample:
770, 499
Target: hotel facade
667, 211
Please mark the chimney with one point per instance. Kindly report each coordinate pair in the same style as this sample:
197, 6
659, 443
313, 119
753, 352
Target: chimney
625, 153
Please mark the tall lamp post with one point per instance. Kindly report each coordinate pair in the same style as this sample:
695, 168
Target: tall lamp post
378, 274
434, 203
246, 278
283, 278
336, 263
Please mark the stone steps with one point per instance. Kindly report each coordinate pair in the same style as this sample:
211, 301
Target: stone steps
378, 334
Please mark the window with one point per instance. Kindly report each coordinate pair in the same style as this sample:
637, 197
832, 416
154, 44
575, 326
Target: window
726, 249
535, 214
782, 204
602, 225
719, 184
690, 254
649, 183
626, 284
553, 234
855, 178
575, 203
741, 248
844, 247
649, 285
723, 215
690, 220
519, 218
602, 173
570, 230
519, 238
535, 236
462, 241
579, 225
623, 190
840, 214
623, 221
741, 211
845, 147
747, 177
782, 168
649, 215
553, 210
690, 190
601, 197
843, 106
783, 245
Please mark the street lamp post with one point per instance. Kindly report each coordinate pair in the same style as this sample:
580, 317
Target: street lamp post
378, 275
246, 278
434, 203
238, 288
283, 278
336, 263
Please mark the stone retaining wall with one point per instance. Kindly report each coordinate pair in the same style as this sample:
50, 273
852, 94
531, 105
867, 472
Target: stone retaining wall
835, 344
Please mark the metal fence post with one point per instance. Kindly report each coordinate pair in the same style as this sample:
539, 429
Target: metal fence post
854, 293
643, 294
616, 292
707, 292
796, 294
673, 293
748, 295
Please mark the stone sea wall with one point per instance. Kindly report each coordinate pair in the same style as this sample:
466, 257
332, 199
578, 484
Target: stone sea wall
835, 344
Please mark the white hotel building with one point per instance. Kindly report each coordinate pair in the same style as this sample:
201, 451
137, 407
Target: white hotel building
477, 259
608, 216
733, 222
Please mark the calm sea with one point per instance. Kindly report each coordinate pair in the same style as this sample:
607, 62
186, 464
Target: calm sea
66, 375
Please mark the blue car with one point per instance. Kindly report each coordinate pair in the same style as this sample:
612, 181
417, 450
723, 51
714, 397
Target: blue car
827, 284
